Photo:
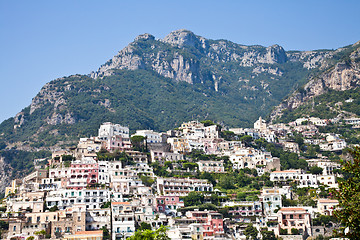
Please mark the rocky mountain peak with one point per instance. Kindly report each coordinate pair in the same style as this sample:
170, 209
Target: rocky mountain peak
276, 54
145, 36
182, 38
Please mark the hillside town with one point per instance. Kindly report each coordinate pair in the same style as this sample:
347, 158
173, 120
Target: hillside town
199, 181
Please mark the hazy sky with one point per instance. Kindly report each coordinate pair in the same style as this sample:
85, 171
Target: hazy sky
44, 40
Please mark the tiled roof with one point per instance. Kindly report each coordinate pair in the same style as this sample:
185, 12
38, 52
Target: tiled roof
328, 201
89, 232
284, 209
120, 203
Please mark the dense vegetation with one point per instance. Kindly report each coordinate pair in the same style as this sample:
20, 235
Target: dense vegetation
22, 162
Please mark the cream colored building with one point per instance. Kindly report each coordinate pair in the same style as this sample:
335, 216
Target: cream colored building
211, 166
327, 206
260, 124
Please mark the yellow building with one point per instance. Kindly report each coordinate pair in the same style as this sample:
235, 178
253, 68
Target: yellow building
11, 189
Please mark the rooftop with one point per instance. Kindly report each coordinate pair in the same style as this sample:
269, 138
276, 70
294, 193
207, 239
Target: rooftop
120, 203
288, 209
89, 232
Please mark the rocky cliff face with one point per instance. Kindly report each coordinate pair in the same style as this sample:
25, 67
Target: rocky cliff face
171, 64
343, 75
180, 65
5, 175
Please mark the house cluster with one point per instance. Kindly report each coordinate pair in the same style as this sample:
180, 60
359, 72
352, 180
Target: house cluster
308, 128
104, 186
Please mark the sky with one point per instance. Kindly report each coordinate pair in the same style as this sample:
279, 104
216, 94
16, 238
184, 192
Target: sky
44, 40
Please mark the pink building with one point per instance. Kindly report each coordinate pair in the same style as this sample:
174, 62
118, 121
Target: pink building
294, 217
117, 142
169, 203
211, 221
211, 146
82, 174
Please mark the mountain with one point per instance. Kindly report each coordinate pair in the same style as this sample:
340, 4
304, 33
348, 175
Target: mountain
325, 95
159, 83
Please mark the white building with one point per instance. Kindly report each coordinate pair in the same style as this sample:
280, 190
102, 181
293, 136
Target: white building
260, 124
335, 145
327, 165
211, 166
123, 220
161, 156
271, 200
328, 180
182, 186
97, 218
108, 129
150, 135
89, 198
303, 179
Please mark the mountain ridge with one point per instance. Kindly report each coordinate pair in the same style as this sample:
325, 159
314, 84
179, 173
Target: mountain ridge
158, 83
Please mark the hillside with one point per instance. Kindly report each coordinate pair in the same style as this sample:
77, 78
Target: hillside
325, 93
159, 83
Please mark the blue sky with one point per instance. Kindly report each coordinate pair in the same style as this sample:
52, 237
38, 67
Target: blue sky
44, 40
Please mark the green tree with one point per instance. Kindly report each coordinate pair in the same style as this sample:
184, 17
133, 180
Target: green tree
106, 233
348, 196
295, 231
158, 234
246, 139
4, 225
145, 226
251, 232
193, 199
147, 181
209, 177
227, 182
139, 143
168, 164
106, 205
288, 202
67, 157
40, 233
54, 208
207, 123
283, 231
316, 170
267, 235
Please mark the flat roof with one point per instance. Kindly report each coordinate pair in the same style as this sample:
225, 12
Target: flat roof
287, 171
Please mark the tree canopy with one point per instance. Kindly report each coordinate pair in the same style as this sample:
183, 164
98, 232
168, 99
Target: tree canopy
348, 196
158, 234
